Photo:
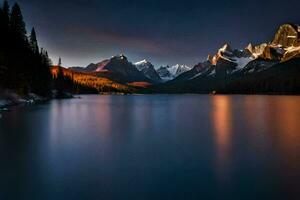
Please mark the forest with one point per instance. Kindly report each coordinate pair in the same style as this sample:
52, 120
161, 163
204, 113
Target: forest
25, 68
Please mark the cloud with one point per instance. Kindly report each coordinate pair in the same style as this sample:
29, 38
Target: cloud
122, 41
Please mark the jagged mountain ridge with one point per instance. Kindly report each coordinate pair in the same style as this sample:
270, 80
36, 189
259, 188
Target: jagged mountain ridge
284, 46
148, 70
221, 71
168, 73
162, 74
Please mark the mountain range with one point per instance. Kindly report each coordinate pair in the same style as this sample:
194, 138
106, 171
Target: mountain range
271, 67
118, 68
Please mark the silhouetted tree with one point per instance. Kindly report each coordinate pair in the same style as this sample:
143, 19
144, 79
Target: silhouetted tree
33, 42
59, 62
17, 24
23, 67
5, 13
4, 39
60, 83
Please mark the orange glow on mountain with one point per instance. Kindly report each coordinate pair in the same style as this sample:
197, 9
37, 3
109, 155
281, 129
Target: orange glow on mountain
91, 80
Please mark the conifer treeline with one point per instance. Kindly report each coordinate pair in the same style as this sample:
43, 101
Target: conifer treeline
24, 67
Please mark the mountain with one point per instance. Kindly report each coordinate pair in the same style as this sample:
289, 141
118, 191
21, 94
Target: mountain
90, 83
284, 46
226, 61
287, 36
268, 67
168, 73
148, 70
204, 68
91, 67
117, 69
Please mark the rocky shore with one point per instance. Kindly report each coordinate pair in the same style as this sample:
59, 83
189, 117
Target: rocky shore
9, 98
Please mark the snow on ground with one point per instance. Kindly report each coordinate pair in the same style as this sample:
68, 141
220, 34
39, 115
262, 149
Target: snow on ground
177, 69
173, 69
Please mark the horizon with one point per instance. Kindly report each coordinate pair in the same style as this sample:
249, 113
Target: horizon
90, 32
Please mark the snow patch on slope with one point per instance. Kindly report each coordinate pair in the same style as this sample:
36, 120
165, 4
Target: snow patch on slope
141, 62
168, 73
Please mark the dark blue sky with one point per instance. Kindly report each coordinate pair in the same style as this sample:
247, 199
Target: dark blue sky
162, 31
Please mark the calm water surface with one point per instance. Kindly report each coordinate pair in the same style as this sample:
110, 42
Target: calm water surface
152, 147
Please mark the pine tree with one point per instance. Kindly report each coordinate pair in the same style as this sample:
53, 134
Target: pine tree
59, 82
33, 42
44, 81
2, 69
23, 67
5, 13
17, 24
59, 62
19, 53
4, 43
4, 25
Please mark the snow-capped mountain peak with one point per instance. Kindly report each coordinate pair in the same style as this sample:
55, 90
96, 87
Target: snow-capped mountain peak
170, 72
148, 70
141, 62
225, 49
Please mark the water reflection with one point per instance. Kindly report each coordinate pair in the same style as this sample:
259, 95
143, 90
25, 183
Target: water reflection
222, 126
284, 113
160, 146
260, 125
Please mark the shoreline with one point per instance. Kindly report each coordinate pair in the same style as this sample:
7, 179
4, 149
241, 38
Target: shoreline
5, 104
32, 99
9, 98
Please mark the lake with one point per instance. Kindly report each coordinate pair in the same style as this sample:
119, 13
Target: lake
152, 147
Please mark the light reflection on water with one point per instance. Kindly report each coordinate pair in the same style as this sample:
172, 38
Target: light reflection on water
222, 126
153, 147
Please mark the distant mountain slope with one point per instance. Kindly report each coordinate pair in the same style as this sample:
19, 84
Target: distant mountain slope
102, 85
168, 73
91, 67
148, 70
117, 69
280, 78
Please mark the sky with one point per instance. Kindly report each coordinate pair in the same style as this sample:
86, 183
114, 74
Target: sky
165, 32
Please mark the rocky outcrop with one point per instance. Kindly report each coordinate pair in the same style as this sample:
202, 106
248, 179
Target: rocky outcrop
287, 36
284, 46
257, 50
